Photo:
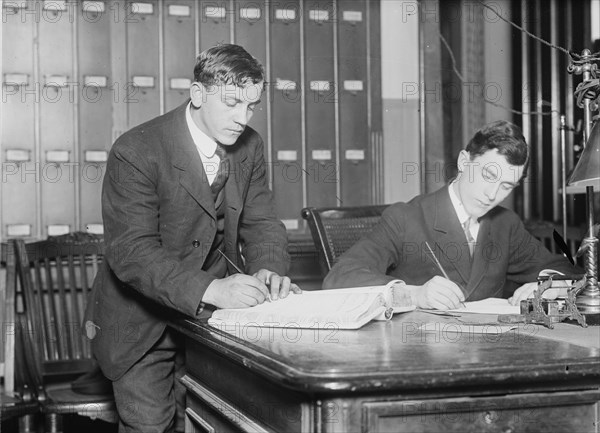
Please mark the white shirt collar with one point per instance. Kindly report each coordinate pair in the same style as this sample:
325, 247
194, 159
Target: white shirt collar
461, 213
206, 145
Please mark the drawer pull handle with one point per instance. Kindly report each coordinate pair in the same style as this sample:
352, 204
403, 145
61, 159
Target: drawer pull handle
490, 417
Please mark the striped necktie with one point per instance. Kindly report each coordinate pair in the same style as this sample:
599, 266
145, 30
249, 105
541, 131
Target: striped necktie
470, 239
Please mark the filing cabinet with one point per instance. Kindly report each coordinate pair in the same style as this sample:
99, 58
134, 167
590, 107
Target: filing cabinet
76, 75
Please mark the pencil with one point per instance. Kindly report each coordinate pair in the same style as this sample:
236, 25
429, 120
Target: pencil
439, 265
236, 267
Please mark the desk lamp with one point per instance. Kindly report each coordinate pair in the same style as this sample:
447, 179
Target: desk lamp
587, 173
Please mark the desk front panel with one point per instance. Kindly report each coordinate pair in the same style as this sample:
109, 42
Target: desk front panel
223, 396
398, 355
390, 376
225, 393
534, 412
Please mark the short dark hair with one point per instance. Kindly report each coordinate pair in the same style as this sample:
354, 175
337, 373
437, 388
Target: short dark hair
227, 64
506, 138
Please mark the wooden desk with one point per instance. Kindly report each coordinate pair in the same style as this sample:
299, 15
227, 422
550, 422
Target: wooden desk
391, 377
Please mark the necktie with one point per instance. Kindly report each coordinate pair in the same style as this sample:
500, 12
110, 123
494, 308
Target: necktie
470, 239
222, 172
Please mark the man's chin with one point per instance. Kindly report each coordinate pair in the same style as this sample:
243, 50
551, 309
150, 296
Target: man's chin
228, 141
483, 212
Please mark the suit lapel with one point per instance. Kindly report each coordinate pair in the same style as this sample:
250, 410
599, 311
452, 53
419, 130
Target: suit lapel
187, 159
447, 234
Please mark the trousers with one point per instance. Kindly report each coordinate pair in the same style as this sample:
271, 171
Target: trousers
150, 397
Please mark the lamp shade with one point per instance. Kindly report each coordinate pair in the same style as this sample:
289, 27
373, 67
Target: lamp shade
587, 170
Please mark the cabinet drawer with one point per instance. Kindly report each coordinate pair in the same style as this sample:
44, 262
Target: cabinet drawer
199, 418
208, 413
196, 423
565, 411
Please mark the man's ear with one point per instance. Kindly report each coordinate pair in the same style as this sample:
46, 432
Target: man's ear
197, 94
463, 158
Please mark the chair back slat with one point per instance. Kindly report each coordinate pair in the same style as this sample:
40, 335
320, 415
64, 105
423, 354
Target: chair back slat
335, 230
74, 289
21, 373
8, 317
42, 291
88, 268
64, 313
78, 288
31, 297
59, 273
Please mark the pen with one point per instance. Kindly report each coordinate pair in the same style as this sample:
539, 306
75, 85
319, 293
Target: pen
230, 262
439, 265
236, 267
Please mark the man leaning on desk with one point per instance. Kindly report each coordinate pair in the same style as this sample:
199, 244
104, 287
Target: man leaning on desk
484, 249
180, 192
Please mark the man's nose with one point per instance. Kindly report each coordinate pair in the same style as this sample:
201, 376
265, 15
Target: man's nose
242, 115
491, 191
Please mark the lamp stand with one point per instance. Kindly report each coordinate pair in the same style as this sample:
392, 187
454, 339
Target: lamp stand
587, 300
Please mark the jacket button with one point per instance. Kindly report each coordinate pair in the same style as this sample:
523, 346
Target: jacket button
196, 243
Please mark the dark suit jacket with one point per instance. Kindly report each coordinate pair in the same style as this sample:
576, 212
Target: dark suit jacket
395, 249
160, 221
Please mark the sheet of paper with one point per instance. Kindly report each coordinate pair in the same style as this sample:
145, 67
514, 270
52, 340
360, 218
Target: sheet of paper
489, 306
346, 310
367, 289
456, 327
349, 308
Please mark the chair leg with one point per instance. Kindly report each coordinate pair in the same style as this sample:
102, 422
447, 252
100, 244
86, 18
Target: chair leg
28, 424
54, 423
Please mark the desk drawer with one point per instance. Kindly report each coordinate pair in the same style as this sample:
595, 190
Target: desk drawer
208, 413
561, 411
199, 418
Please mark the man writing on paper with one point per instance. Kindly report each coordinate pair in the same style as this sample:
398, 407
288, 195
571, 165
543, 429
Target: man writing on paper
484, 248
181, 191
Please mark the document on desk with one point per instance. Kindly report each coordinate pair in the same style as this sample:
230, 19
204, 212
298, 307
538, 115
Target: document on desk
476, 317
349, 308
454, 326
489, 306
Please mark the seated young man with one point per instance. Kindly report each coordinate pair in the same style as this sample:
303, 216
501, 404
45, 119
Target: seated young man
483, 248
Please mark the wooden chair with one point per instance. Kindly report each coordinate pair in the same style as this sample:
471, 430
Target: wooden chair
56, 277
334, 230
17, 397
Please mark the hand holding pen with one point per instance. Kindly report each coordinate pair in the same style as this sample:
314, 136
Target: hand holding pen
235, 291
239, 271
277, 286
439, 293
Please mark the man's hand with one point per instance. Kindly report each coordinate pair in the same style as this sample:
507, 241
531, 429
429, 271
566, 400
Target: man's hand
438, 293
279, 287
526, 291
236, 291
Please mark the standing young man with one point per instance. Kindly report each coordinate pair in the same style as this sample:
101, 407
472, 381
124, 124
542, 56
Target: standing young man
484, 248
179, 191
